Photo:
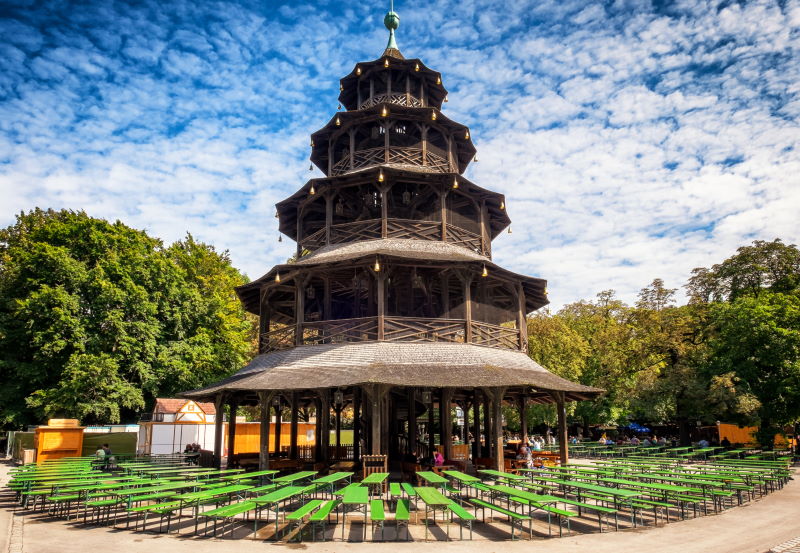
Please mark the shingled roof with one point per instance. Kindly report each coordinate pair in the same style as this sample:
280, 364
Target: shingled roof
398, 364
173, 405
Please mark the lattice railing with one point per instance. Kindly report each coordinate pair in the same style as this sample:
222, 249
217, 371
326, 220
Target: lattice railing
400, 99
340, 331
463, 237
485, 334
395, 329
281, 338
315, 240
357, 230
398, 155
413, 329
411, 229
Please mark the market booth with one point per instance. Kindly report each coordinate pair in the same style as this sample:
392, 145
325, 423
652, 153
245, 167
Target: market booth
60, 438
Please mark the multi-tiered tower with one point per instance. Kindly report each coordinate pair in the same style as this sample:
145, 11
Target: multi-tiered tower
393, 291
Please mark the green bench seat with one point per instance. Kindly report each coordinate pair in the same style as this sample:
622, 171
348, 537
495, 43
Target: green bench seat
599, 509
512, 515
408, 489
395, 490
295, 518
465, 517
319, 519
402, 515
377, 515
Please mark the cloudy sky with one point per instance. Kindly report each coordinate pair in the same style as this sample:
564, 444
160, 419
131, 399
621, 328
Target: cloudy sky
633, 139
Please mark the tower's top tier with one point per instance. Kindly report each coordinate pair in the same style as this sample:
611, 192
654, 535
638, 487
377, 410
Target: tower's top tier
392, 79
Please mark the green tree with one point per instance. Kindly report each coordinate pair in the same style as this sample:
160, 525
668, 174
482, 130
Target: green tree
97, 319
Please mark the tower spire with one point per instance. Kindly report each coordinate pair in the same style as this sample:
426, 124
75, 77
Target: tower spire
392, 21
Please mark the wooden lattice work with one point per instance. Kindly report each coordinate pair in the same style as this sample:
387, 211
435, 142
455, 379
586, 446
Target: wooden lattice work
412, 329
281, 338
462, 237
399, 99
397, 156
484, 334
411, 229
340, 331
358, 230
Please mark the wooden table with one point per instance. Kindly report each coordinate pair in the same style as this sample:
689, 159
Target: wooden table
374, 480
357, 498
432, 478
295, 477
433, 499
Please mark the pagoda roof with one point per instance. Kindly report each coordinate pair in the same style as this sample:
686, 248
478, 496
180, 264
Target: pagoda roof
436, 92
499, 219
319, 150
428, 364
423, 251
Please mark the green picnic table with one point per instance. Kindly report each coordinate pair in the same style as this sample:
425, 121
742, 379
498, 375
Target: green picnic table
194, 498
330, 480
434, 500
432, 478
375, 480
356, 498
295, 477
616, 493
500, 474
273, 500
461, 477
260, 474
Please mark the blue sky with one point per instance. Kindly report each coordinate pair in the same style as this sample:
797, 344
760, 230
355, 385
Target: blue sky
633, 140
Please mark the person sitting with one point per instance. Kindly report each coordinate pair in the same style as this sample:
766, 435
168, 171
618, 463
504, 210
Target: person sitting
646, 442
726, 443
537, 445
635, 441
438, 459
524, 456
703, 443
662, 441
100, 454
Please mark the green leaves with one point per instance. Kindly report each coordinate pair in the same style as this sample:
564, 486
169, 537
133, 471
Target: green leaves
97, 319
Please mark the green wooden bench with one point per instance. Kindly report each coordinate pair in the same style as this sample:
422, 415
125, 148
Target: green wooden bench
395, 490
319, 519
512, 515
599, 509
295, 518
402, 515
465, 518
561, 514
408, 489
227, 513
376, 516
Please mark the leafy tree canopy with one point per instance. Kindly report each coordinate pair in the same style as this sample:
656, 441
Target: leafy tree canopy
97, 319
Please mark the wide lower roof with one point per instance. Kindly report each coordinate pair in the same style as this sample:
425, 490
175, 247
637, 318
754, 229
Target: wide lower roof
438, 365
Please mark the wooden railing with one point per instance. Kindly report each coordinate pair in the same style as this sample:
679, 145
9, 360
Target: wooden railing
282, 338
397, 155
395, 228
412, 329
496, 336
395, 329
363, 329
400, 99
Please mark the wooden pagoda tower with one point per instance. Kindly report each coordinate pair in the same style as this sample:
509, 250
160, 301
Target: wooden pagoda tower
393, 305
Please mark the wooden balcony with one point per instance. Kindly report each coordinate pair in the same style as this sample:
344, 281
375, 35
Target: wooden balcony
409, 229
395, 329
397, 156
399, 99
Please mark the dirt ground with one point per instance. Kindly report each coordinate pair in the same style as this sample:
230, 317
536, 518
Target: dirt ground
753, 528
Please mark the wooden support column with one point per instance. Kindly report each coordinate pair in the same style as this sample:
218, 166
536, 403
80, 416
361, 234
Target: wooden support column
431, 440
337, 410
376, 394
371, 88
412, 420
300, 308
352, 147
563, 447
295, 416
381, 293
447, 423
522, 321
327, 301
264, 400
263, 318
233, 407
476, 425
487, 426
484, 232
467, 282
443, 214
386, 140
326, 423
408, 89
278, 422
356, 424
318, 429
424, 145
384, 210
497, 427
328, 215
300, 227
219, 403
523, 417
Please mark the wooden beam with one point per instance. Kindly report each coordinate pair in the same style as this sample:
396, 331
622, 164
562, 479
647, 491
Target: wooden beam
563, 447
447, 423
300, 309
467, 283
328, 215
356, 424
412, 420
219, 403
233, 406
278, 425
293, 451
476, 425
487, 426
381, 293
325, 397
376, 394
522, 321
523, 417
497, 427
264, 399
